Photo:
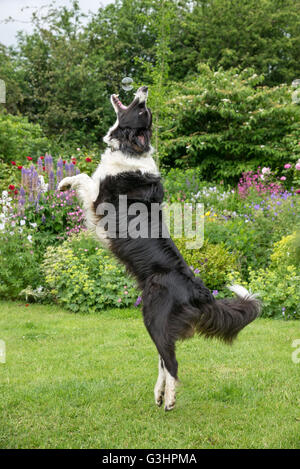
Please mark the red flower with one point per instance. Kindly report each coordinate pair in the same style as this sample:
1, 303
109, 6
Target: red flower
20, 167
27, 304
11, 187
29, 158
42, 157
73, 161
44, 168
13, 163
64, 161
16, 192
88, 160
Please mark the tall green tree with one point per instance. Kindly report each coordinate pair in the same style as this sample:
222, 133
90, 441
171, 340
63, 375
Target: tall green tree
262, 34
225, 122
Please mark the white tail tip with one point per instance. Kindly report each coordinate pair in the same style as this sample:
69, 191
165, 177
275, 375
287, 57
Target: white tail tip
241, 291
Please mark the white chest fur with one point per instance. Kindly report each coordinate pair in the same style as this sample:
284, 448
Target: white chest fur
116, 162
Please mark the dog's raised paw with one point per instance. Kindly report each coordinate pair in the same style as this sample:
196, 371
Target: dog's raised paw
64, 185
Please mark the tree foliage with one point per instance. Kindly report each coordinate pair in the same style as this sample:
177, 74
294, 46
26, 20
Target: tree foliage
61, 75
226, 123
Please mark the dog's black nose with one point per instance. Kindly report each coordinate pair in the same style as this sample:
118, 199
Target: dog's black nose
144, 89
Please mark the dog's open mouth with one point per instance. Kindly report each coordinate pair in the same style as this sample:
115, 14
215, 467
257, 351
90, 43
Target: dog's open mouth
118, 102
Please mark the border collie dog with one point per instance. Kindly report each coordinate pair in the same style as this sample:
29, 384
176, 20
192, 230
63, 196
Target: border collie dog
176, 304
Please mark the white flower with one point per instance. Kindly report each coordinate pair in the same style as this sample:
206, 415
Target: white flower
2, 226
29, 237
22, 222
34, 225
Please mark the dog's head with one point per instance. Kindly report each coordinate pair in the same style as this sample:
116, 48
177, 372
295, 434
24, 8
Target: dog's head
132, 131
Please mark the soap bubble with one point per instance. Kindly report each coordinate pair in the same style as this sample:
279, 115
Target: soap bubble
127, 84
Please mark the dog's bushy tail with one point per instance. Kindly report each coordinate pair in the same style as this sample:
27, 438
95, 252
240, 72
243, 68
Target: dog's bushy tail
225, 318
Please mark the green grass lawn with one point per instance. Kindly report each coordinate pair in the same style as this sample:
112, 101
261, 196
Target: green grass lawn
86, 381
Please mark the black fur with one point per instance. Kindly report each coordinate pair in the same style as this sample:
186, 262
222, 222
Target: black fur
132, 141
176, 304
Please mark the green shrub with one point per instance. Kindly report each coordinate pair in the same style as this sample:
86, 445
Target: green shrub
19, 266
84, 277
285, 251
19, 138
213, 262
278, 285
255, 229
225, 123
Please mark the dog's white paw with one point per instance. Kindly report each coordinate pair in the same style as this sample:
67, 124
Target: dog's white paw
159, 392
65, 184
170, 392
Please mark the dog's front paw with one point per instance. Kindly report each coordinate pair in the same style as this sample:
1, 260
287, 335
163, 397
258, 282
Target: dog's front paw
65, 184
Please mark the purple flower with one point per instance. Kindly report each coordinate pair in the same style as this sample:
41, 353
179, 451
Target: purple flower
51, 180
138, 301
59, 174
215, 292
257, 207
60, 164
196, 271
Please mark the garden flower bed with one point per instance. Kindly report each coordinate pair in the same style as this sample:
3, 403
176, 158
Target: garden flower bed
246, 227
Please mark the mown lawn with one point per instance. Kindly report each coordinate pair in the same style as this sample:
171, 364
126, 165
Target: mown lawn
75, 381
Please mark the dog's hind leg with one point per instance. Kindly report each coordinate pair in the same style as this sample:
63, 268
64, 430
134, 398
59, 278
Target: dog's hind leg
156, 310
159, 389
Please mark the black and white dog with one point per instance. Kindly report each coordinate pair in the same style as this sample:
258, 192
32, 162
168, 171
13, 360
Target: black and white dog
176, 304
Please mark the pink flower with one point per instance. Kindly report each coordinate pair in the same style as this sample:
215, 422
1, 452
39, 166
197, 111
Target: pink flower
125, 292
297, 166
119, 300
287, 166
283, 178
298, 191
266, 170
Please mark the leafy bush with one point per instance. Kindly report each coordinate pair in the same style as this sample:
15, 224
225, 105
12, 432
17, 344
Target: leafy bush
212, 262
278, 285
259, 224
285, 251
225, 123
85, 277
19, 138
19, 265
